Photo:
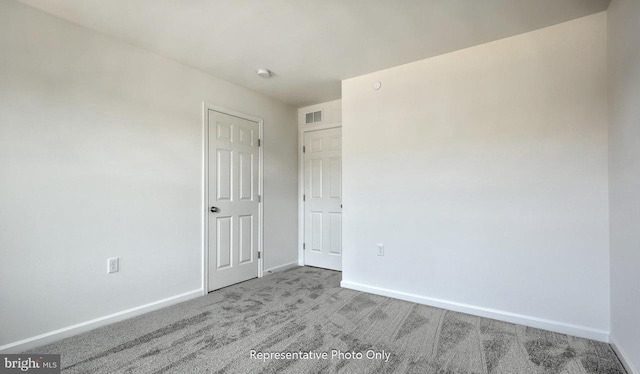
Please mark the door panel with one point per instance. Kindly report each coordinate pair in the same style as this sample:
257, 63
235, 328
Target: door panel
335, 178
316, 231
223, 241
316, 145
233, 190
246, 176
246, 136
246, 239
323, 198
335, 233
316, 178
224, 174
224, 132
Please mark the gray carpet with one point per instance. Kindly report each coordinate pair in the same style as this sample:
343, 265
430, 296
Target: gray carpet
304, 309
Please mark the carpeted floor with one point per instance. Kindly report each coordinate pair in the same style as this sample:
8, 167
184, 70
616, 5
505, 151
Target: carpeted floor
304, 309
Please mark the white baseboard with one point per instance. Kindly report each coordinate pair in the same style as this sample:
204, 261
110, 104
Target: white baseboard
561, 327
284, 267
65, 332
622, 356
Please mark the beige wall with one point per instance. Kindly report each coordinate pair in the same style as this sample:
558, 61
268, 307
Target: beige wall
101, 156
624, 183
484, 174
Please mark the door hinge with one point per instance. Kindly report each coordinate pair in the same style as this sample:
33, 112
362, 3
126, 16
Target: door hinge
259, 198
259, 143
258, 255
304, 246
304, 197
304, 149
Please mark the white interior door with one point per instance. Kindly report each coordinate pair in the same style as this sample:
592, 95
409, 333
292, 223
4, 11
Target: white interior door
323, 198
233, 199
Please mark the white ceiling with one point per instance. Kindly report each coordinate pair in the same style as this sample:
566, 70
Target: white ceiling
310, 45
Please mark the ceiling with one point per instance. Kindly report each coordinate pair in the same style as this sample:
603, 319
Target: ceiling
310, 45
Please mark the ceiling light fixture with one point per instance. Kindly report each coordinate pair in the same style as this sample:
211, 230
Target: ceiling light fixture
264, 73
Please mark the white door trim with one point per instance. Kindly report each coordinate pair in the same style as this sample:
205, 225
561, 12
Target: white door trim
205, 188
301, 131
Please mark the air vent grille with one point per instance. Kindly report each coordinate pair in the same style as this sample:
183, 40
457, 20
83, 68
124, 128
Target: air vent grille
313, 117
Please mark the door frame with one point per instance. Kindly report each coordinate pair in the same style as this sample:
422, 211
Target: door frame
205, 187
303, 129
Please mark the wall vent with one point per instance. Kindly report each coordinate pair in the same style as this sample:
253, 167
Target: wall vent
313, 117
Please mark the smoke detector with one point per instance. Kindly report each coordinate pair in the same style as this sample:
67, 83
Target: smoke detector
264, 73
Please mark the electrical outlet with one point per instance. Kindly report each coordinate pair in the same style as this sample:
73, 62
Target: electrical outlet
113, 264
380, 249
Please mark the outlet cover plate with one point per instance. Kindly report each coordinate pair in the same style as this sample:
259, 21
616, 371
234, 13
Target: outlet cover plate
113, 265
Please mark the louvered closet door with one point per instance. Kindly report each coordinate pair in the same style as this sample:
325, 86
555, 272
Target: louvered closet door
323, 198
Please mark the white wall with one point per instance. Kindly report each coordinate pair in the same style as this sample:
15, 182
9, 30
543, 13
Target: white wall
484, 174
101, 156
624, 176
